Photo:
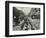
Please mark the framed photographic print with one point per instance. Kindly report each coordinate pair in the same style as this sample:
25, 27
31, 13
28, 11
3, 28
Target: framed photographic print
24, 18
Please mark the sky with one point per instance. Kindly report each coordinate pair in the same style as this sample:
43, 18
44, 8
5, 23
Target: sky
26, 10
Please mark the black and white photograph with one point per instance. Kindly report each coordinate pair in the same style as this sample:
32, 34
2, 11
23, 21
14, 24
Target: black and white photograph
24, 18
